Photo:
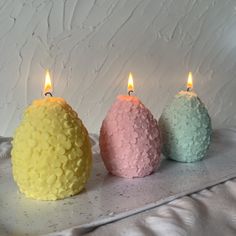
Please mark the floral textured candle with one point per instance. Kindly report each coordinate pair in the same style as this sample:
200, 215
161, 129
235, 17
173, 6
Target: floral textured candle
185, 127
129, 138
51, 155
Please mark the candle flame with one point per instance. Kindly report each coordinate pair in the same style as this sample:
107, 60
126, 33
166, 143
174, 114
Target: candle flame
190, 81
48, 83
130, 83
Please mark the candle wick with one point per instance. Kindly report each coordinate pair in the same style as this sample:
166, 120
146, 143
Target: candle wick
48, 93
129, 92
188, 89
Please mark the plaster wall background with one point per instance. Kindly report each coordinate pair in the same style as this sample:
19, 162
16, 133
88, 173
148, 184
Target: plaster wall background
91, 45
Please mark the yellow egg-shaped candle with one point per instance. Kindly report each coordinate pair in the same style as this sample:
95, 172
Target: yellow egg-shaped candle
51, 155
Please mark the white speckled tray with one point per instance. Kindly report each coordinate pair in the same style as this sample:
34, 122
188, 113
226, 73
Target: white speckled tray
108, 198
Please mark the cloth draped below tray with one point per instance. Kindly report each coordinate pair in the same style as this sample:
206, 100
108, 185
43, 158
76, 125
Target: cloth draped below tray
209, 212
108, 198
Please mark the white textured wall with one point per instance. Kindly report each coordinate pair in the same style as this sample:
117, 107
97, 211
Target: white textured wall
91, 45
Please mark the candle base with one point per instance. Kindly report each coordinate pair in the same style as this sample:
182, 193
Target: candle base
186, 128
51, 155
130, 139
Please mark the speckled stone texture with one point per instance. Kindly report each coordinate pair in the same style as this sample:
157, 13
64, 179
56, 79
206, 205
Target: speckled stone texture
186, 128
130, 139
51, 155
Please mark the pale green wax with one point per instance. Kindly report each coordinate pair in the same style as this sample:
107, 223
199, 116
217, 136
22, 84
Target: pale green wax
186, 128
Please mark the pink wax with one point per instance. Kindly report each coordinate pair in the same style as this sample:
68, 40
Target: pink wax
130, 139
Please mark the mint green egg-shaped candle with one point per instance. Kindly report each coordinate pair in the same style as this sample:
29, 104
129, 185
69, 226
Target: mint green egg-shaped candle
185, 127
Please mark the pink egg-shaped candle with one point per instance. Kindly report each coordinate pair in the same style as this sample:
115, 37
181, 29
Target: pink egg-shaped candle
129, 138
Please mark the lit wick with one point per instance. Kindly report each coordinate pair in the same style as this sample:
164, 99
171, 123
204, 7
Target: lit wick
130, 84
130, 91
190, 82
48, 93
47, 85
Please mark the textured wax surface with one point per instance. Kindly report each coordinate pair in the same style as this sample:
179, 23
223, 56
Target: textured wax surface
186, 128
51, 155
130, 139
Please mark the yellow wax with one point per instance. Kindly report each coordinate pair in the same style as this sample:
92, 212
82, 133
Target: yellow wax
51, 155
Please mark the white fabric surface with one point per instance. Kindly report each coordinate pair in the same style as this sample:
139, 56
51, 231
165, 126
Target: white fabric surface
5, 147
208, 212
